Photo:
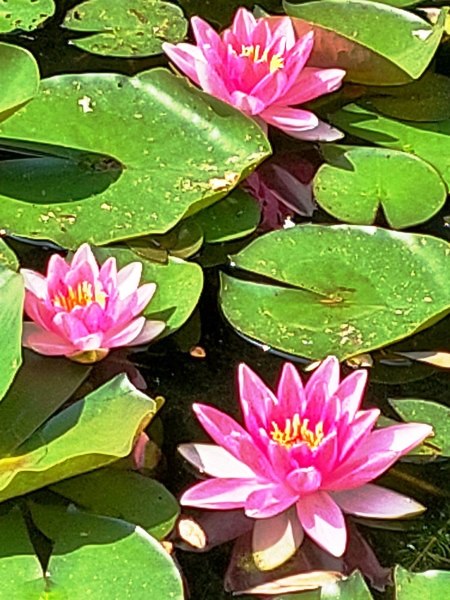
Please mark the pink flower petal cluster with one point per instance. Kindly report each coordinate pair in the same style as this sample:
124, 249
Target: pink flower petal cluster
259, 67
80, 310
306, 456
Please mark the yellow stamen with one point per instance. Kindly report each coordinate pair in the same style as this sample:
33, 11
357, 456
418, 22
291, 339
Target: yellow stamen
276, 61
296, 432
82, 295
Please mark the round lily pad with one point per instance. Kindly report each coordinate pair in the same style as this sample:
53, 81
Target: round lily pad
315, 290
133, 28
24, 14
19, 77
356, 183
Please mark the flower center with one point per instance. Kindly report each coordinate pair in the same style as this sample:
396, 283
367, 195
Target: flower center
296, 432
275, 61
82, 295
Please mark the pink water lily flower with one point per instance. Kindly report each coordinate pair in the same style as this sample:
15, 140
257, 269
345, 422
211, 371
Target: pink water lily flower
81, 310
306, 456
259, 67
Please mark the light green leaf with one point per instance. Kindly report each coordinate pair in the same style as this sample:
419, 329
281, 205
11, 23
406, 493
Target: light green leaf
11, 310
430, 141
340, 290
131, 28
89, 434
426, 411
126, 495
351, 588
20, 570
376, 44
19, 78
113, 167
100, 557
430, 585
179, 285
24, 14
41, 386
358, 181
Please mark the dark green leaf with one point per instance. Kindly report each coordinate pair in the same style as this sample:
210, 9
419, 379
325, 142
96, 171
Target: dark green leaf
125, 495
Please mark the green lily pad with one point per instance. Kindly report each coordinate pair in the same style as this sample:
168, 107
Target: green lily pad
133, 28
120, 157
234, 217
376, 44
350, 588
426, 411
425, 100
89, 434
124, 495
42, 385
357, 182
19, 77
340, 290
429, 141
103, 557
20, 569
430, 585
11, 311
179, 285
24, 14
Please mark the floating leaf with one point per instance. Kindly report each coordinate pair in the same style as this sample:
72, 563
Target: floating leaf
104, 558
357, 181
437, 359
339, 290
234, 217
375, 43
113, 168
133, 28
430, 585
20, 569
430, 141
24, 14
19, 77
41, 386
89, 434
426, 411
125, 495
11, 310
351, 588
425, 100
179, 285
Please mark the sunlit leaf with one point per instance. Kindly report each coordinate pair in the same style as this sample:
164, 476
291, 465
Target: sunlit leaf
430, 585
339, 290
24, 14
131, 28
356, 182
123, 157
19, 78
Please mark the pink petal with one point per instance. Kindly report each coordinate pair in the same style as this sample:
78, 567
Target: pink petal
290, 393
126, 336
108, 275
35, 283
204, 34
373, 501
249, 104
327, 372
352, 434
215, 461
185, 57
304, 481
38, 311
84, 255
230, 435
149, 332
359, 470
45, 342
57, 269
311, 84
143, 296
269, 501
397, 438
257, 400
351, 391
220, 494
243, 25
128, 279
323, 521
212, 83
296, 60
282, 27
290, 120
321, 133
276, 539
